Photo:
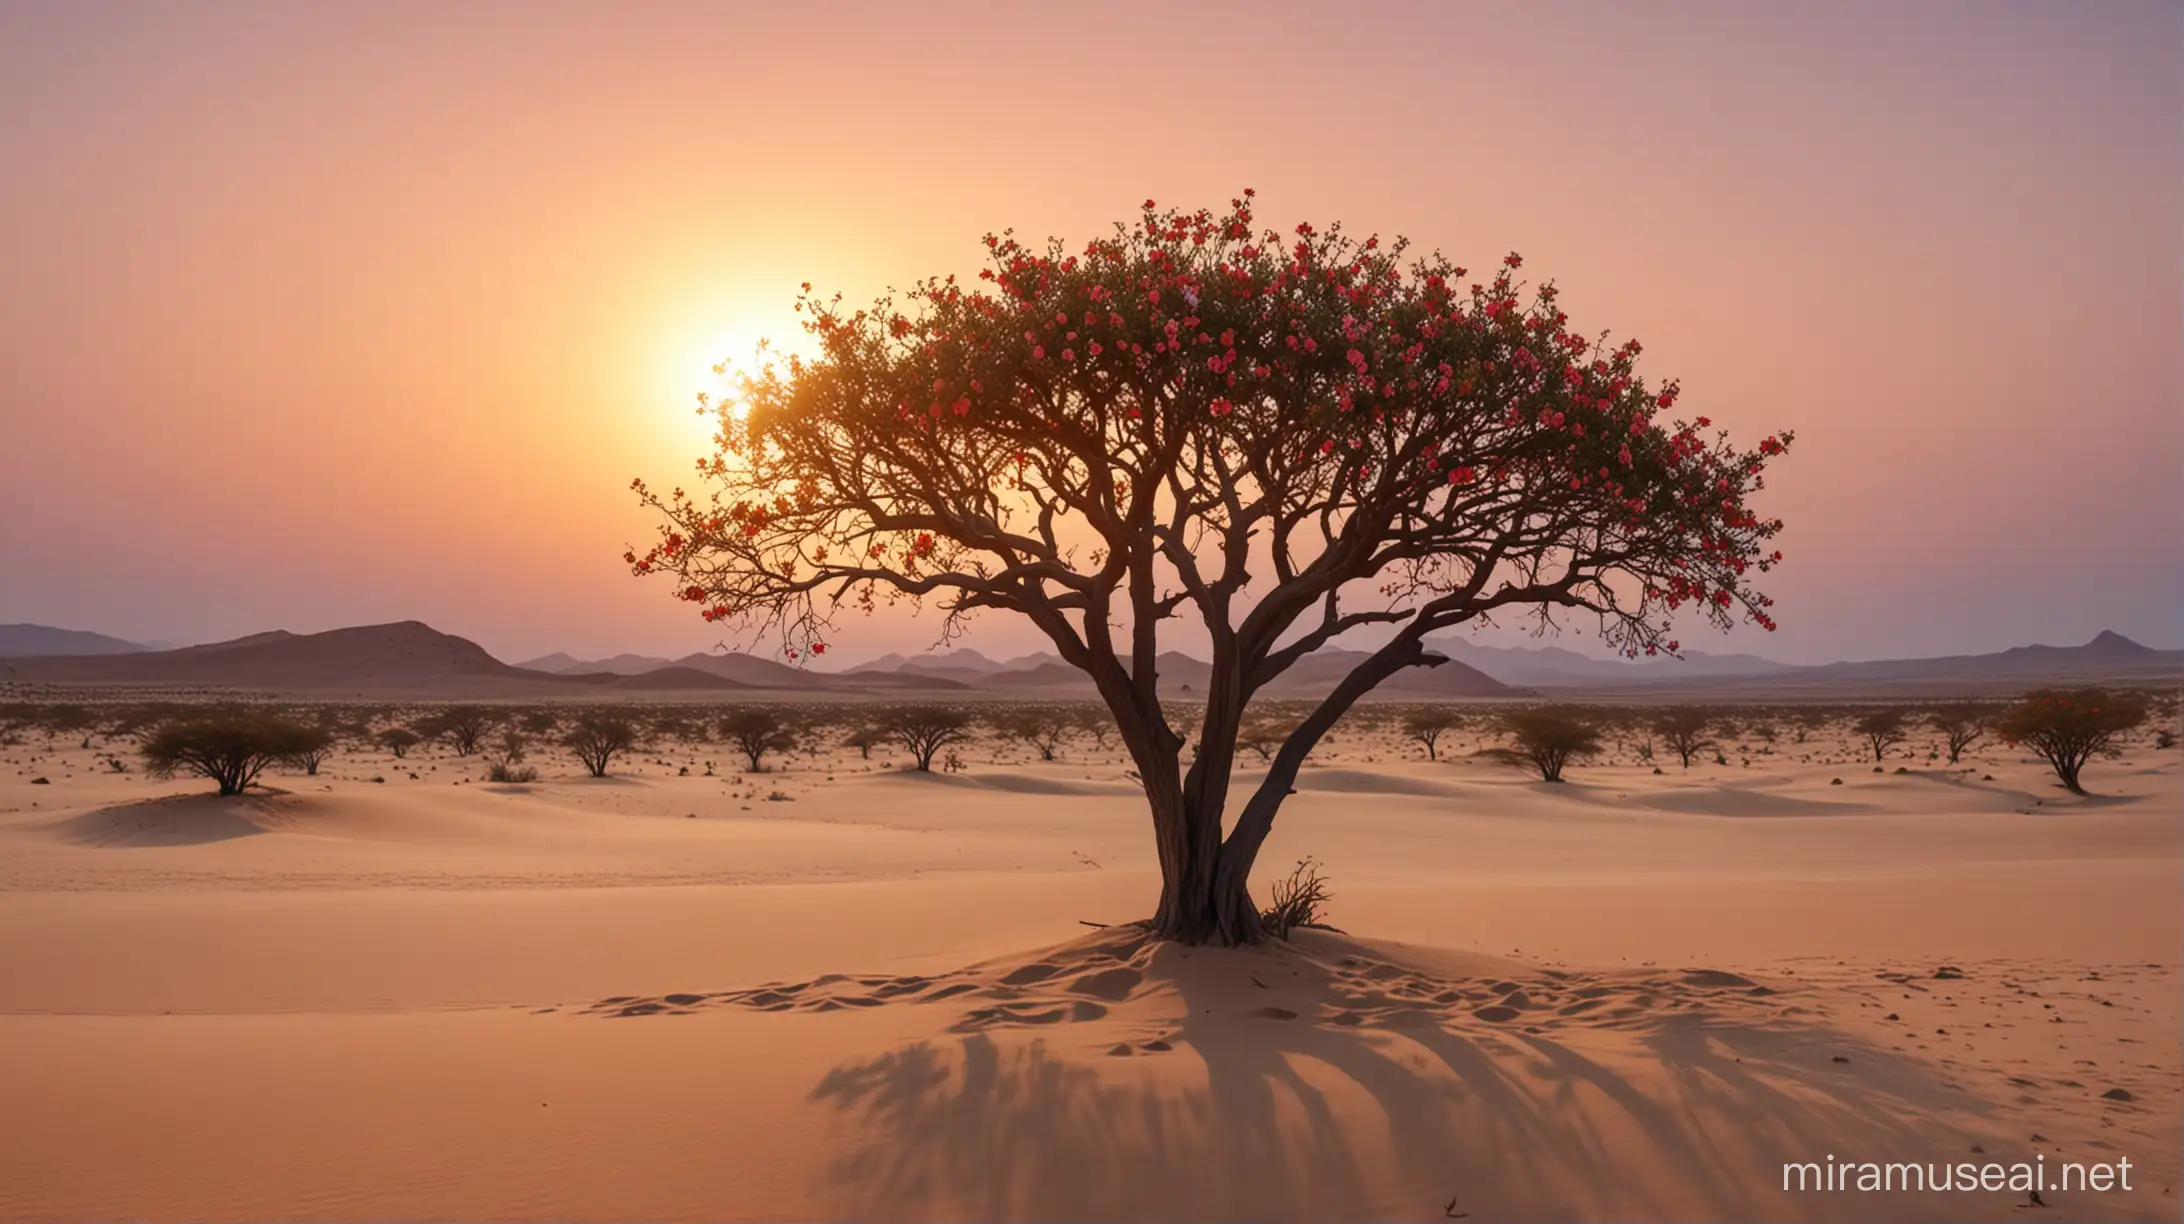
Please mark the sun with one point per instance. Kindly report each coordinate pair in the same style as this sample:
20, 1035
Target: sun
710, 362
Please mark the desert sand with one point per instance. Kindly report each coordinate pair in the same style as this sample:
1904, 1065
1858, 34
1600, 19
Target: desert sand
845, 990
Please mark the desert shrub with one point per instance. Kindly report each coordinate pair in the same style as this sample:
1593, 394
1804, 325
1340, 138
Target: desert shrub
1096, 722
865, 738
69, 719
1041, 729
756, 731
462, 726
1804, 722
312, 750
597, 739
1264, 733
1961, 726
230, 747
504, 762
1683, 729
924, 730
1426, 727
1547, 738
1882, 730
399, 740
1297, 901
539, 721
684, 725
2068, 727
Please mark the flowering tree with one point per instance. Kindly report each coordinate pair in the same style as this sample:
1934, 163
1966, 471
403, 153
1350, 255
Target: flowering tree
1282, 438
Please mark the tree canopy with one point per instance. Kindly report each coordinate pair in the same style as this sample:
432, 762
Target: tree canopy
1285, 438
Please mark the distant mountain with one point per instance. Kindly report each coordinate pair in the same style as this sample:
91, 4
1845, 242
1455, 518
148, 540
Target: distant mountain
618, 665
2109, 657
367, 656
734, 669
1558, 667
743, 670
413, 658
666, 679
1183, 676
962, 659
955, 664
749, 669
44, 641
556, 662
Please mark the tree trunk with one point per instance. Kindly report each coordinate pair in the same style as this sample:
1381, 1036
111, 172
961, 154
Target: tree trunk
1210, 906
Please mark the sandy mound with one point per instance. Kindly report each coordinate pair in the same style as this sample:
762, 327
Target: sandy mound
181, 820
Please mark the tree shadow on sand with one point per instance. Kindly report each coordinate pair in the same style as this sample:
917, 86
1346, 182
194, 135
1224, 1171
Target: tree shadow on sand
1253, 1116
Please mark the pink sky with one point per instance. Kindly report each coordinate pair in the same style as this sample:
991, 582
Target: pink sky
333, 314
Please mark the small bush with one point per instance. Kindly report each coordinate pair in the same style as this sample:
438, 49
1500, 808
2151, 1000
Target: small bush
756, 732
864, 739
461, 725
312, 751
1264, 734
1426, 727
1961, 726
1042, 730
923, 731
1683, 729
1298, 901
229, 747
597, 739
2068, 727
1882, 730
1547, 739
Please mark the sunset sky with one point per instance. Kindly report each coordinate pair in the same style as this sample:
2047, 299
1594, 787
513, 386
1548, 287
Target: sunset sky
320, 315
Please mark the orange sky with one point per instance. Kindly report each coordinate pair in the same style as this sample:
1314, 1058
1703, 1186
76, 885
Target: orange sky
318, 315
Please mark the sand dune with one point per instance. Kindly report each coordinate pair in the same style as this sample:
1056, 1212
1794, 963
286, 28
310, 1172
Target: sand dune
845, 991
